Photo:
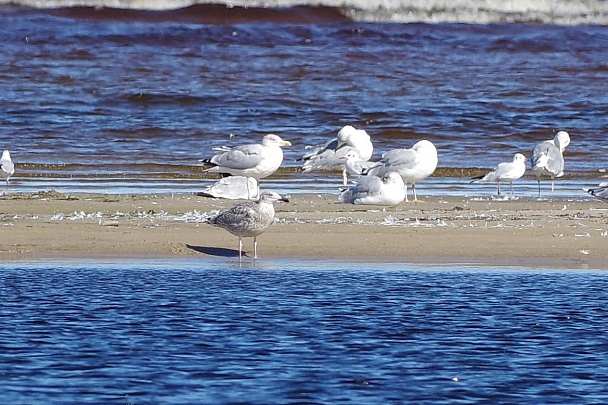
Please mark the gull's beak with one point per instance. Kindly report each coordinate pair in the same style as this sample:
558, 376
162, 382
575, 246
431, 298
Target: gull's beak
286, 143
285, 198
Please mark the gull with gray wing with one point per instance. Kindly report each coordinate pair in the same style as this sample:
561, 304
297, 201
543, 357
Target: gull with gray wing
252, 160
331, 155
388, 190
232, 188
413, 164
548, 158
249, 219
600, 191
354, 166
506, 172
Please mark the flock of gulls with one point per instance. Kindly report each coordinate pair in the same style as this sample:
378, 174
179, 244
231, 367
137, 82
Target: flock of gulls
382, 183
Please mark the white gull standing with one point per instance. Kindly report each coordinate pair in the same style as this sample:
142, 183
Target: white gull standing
372, 190
257, 160
330, 156
7, 168
413, 164
249, 219
506, 172
548, 159
600, 191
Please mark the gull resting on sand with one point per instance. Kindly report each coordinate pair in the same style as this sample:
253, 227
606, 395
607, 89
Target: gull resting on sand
388, 190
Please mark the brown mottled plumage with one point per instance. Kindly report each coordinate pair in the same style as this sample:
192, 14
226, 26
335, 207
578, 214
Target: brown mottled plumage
248, 219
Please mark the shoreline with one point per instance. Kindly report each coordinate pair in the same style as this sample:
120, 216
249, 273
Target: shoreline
562, 233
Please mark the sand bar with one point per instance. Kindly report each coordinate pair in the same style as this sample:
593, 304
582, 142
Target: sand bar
531, 232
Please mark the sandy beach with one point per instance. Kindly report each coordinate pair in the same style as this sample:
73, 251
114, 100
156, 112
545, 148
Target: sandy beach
564, 233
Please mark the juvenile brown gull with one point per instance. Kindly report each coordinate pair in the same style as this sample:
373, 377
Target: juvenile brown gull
548, 159
249, 219
413, 164
505, 172
7, 168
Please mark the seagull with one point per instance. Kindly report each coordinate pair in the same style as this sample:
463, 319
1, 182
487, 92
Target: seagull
548, 159
413, 164
372, 190
328, 156
253, 160
233, 188
506, 171
249, 219
7, 168
600, 191
354, 166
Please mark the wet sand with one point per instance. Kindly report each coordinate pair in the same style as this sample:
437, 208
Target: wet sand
531, 232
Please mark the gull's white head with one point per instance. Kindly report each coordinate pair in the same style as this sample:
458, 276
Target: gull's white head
424, 145
358, 139
350, 155
519, 158
393, 178
271, 197
425, 148
272, 139
346, 133
562, 139
6, 155
352, 136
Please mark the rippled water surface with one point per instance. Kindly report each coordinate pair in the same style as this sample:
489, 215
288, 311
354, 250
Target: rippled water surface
109, 101
176, 332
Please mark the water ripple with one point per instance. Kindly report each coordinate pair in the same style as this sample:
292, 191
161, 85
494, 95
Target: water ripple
171, 332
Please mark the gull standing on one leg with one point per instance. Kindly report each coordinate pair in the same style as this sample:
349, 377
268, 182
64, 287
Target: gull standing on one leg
505, 172
249, 219
413, 164
548, 159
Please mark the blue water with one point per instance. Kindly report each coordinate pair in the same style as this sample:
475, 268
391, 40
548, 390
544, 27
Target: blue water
300, 332
95, 100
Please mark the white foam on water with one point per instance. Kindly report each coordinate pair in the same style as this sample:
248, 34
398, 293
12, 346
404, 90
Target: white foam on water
563, 12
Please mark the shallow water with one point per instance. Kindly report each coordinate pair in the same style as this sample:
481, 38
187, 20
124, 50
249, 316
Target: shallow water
291, 331
128, 104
